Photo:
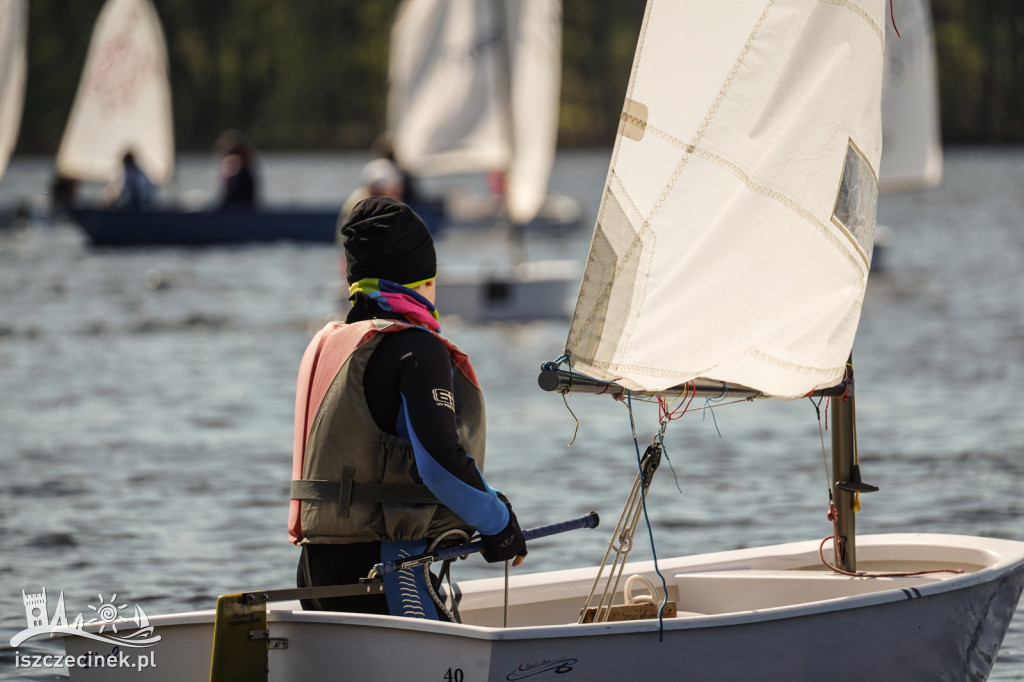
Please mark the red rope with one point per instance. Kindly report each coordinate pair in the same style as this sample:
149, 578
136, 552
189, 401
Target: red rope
892, 16
682, 408
833, 516
821, 555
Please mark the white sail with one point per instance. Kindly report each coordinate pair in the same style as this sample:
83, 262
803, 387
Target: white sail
912, 151
735, 231
474, 87
447, 111
535, 46
13, 28
123, 101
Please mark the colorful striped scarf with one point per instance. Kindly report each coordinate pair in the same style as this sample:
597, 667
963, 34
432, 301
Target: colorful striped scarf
400, 299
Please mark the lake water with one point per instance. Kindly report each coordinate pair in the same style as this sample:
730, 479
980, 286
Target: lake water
147, 397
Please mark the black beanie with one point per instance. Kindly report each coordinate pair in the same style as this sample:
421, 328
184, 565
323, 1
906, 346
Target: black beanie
385, 239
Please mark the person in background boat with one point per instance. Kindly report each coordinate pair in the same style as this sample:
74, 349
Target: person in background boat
497, 183
379, 178
384, 176
63, 193
131, 189
383, 149
389, 427
236, 172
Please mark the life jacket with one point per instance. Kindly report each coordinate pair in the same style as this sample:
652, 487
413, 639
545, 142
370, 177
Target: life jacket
351, 481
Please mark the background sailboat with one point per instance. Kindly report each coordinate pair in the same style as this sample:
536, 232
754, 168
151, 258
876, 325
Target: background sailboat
13, 30
123, 104
474, 88
911, 131
123, 101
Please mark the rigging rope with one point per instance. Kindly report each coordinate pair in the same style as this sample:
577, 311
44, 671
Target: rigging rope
566, 359
833, 516
838, 547
452, 615
621, 542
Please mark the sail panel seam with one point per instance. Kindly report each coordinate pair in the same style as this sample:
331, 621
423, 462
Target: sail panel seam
629, 96
602, 210
637, 241
608, 366
698, 136
791, 204
740, 59
785, 364
859, 11
859, 264
635, 247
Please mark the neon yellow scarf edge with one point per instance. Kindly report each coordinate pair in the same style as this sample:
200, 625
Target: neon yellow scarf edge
371, 284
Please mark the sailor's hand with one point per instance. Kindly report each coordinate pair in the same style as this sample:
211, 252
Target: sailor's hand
507, 544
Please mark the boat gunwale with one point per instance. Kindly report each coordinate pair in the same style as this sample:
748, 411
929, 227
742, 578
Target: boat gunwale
1007, 557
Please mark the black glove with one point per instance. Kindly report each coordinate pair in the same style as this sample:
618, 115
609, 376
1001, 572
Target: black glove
507, 544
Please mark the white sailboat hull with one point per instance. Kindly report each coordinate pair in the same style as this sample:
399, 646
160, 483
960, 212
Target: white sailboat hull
532, 290
765, 613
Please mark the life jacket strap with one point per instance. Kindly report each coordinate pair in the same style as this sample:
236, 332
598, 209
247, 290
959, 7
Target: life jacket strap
348, 492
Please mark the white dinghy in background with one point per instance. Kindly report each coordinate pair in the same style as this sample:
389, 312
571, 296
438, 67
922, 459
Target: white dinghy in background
731, 254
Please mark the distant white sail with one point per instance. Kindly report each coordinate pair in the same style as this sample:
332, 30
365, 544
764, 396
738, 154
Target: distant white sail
474, 87
911, 133
447, 110
13, 29
124, 98
735, 231
535, 40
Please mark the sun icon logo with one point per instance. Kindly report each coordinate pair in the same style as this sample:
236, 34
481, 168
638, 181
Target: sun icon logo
107, 613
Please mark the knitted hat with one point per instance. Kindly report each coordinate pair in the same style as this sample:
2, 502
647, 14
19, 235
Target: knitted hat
385, 239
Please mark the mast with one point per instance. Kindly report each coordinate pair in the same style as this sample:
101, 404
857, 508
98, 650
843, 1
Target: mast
846, 473
843, 447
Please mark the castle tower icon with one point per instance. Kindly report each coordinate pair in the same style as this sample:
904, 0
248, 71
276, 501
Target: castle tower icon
35, 609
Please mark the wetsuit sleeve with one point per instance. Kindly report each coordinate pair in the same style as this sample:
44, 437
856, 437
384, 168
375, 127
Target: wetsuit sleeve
427, 420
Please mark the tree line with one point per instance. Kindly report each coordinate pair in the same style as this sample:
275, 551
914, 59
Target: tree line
312, 75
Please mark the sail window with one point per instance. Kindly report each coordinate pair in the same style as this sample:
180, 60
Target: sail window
857, 200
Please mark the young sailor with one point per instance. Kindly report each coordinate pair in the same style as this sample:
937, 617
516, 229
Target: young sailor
131, 189
389, 427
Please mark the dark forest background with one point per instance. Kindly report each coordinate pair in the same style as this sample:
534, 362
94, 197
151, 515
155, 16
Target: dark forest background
312, 74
